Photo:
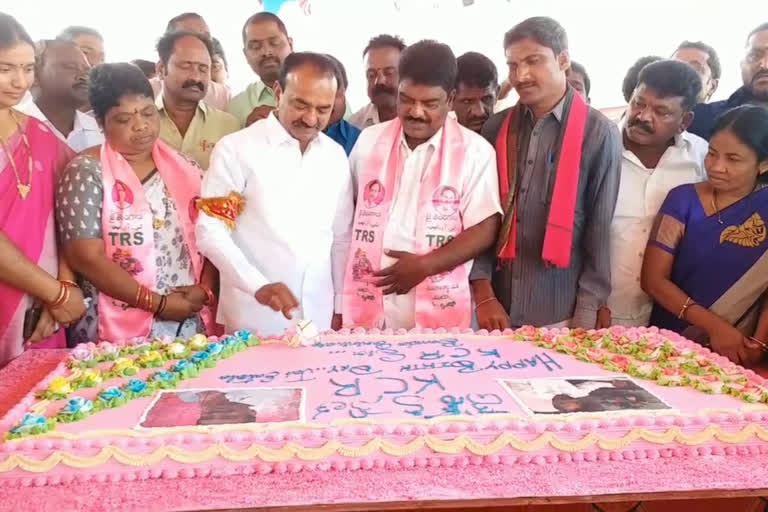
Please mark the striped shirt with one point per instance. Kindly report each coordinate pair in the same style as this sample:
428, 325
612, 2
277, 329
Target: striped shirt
533, 292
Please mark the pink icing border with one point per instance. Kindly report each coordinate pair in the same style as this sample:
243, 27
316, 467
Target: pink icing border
488, 428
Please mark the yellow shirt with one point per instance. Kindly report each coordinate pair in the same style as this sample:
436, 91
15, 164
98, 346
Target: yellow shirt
206, 129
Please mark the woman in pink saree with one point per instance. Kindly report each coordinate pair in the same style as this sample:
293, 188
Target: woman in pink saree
30, 156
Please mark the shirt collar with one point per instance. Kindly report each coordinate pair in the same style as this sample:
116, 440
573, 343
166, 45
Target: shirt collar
433, 142
278, 135
201, 106
557, 110
85, 122
261, 90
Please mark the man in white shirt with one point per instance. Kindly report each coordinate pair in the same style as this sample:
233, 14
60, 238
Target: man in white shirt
294, 228
427, 204
659, 154
62, 88
381, 57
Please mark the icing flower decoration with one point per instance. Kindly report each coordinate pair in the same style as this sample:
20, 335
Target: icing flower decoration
548, 341
200, 357
569, 346
243, 335
672, 376
142, 348
111, 394
620, 362
151, 359
214, 348
198, 342
83, 352
161, 376
29, 422
176, 349
90, 378
108, 350
231, 341
527, 331
164, 340
124, 367
59, 386
136, 385
181, 366
76, 405
137, 340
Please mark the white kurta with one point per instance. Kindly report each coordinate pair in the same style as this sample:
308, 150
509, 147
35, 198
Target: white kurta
479, 200
295, 228
641, 193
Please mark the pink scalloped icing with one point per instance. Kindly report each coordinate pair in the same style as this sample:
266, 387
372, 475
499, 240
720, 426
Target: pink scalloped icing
259, 360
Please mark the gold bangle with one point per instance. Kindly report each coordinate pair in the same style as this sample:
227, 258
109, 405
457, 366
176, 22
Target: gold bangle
688, 303
62, 298
484, 301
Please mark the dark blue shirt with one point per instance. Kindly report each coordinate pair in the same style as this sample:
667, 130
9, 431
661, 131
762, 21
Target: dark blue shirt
345, 134
705, 114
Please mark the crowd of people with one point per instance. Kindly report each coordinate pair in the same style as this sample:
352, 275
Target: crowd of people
144, 199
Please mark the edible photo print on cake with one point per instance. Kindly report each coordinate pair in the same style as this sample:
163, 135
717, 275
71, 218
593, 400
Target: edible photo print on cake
581, 395
202, 407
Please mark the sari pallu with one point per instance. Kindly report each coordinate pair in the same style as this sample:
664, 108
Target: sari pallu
127, 230
29, 224
721, 266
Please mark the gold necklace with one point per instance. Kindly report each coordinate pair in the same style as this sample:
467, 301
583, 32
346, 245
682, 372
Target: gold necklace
714, 206
21, 187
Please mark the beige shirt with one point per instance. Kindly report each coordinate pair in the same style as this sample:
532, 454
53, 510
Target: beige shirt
207, 127
365, 117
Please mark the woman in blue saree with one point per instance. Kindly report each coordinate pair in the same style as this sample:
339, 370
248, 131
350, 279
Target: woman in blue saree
706, 265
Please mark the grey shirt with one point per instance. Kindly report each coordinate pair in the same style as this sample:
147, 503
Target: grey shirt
533, 292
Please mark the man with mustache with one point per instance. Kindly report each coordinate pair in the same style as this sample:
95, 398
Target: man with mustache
477, 85
559, 164
280, 236
659, 154
381, 57
754, 74
265, 45
437, 206
61, 79
217, 95
187, 123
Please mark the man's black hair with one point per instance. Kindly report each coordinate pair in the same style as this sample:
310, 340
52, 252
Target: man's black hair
167, 43
384, 41
542, 29
171, 26
261, 17
672, 79
474, 69
429, 63
322, 64
580, 69
629, 83
713, 61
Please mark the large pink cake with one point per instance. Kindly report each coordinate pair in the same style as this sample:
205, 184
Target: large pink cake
361, 400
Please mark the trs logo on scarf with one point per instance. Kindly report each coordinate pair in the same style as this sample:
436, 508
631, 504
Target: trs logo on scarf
122, 195
445, 201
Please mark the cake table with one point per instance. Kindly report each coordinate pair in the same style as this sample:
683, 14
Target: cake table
460, 482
